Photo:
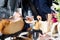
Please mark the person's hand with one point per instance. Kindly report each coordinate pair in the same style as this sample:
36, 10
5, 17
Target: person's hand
11, 17
54, 14
39, 17
29, 18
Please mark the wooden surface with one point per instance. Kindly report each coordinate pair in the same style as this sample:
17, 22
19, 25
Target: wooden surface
7, 27
14, 27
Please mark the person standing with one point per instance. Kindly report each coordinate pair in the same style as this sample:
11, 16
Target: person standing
44, 9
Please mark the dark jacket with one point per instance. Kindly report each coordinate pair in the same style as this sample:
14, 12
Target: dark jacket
43, 7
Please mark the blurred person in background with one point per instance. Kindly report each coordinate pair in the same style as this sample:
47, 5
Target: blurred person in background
44, 9
9, 6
